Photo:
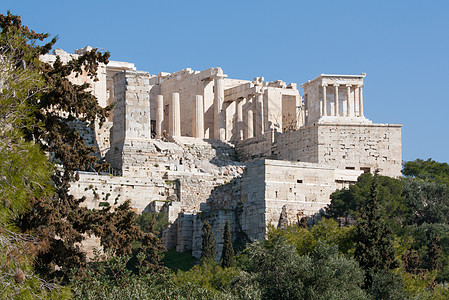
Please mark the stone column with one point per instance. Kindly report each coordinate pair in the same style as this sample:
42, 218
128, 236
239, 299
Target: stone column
230, 119
259, 114
349, 105
239, 121
250, 119
219, 110
174, 128
159, 115
360, 100
198, 118
324, 101
337, 108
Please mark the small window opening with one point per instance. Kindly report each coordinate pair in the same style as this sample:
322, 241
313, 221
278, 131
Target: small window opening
299, 181
350, 168
365, 169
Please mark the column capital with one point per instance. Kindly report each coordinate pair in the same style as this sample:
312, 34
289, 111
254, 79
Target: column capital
324, 85
336, 84
348, 85
360, 85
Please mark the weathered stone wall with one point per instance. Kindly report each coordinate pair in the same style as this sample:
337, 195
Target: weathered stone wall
253, 187
376, 146
116, 189
190, 230
131, 132
302, 188
250, 203
300, 145
256, 147
366, 147
290, 113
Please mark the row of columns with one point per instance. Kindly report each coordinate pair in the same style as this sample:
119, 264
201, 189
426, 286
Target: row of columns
242, 131
174, 116
350, 103
248, 129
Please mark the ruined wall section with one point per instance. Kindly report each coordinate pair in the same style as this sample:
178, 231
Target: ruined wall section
97, 87
301, 189
257, 147
300, 145
273, 109
291, 115
361, 147
130, 135
114, 190
103, 137
252, 201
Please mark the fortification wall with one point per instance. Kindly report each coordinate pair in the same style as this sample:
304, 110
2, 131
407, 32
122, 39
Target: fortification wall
256, 147
366, 147
114, 190
362, 147
302, 188
299, 145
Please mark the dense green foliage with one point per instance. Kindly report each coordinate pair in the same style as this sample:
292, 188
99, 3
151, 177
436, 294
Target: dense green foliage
415, 211
276, 271
374, 244
178, 261
208, 250
111, 279
227, 255
152, 222
429, 170
348, 202
37, 103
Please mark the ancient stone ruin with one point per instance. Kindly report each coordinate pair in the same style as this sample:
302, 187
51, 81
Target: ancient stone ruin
199, 145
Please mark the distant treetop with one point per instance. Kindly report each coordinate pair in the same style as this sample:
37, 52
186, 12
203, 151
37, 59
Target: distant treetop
427, 170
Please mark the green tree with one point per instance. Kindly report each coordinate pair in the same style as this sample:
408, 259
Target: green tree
277, 271
374, 242
208, 250
154, 222
227, 255
426, 202
24, 175
428, 170
109, 278
305, 240
51, 101
350, 201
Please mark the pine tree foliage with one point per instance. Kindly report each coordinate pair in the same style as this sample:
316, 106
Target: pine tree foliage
373, 239
227, 255
208, 250
24, 175
51, 101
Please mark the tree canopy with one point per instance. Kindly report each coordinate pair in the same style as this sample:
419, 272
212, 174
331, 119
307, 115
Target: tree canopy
38, 101
427, 169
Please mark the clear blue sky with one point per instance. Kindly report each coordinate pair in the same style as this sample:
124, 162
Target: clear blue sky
403, 46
